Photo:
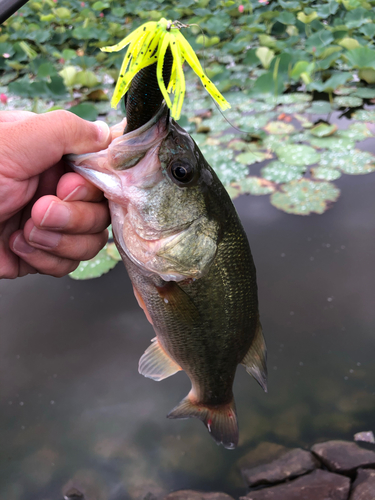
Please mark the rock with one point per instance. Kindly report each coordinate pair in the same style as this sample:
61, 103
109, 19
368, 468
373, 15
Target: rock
264, 453
292, 464
73, 494
366, 436
364, 485
318, 485
343, 456
197, 495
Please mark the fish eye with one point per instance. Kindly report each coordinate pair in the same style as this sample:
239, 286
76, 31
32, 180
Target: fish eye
181, 171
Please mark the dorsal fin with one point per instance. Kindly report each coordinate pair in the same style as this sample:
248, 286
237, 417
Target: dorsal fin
255, 360
156, 364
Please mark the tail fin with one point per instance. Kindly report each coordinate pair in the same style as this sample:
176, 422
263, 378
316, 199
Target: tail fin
221, 421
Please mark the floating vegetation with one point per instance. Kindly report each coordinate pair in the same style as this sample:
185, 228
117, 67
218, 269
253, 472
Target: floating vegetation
325, 173
296, 154
280, 172
104, 261
304, 196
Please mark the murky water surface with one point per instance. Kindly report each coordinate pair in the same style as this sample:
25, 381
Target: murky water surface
75, 412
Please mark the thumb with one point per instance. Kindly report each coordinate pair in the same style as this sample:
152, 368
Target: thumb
34, 144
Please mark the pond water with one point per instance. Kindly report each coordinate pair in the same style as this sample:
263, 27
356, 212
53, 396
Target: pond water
75, 412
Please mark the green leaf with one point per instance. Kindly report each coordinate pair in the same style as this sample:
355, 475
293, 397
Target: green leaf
286, 18
293, 98
325, 174
305, 196
85, 111
279, 128
265, 55
320, 108
368, 75
46, 69
323, 130
365, 93
363, 57
95, 267
349, 43
299, 155
254, 185
355, 161
334, 142
356, 131
100, 5
62, 13
364, 115
251, 157
307, 19
347, 102
281, 172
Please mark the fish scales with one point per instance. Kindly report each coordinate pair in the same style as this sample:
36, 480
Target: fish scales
190, 263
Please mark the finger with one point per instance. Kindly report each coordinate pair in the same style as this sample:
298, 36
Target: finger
73, 187
35, 260
67, 246
34, 144
75, 217
13, 116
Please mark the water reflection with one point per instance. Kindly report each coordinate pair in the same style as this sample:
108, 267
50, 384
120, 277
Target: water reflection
75, 412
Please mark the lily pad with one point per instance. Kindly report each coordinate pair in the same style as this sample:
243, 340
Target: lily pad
356, 132
297, 154
365, 93
293, 98
348, 101
279, 128
272, 142
335, 142
298, 107
221, 160
325, 174
95, 267
251, 157
320, 108
345, 90
254, 185
364, 115
303, 121
323, 130
280, 172
305, 196
354, 162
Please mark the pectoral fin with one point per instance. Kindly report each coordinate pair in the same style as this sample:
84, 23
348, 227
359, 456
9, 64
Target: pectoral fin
255, 360
156, 364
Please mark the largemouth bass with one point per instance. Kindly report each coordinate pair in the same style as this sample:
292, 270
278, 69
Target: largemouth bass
190, 264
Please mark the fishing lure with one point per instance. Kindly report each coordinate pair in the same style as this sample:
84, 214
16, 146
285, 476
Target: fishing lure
148, 44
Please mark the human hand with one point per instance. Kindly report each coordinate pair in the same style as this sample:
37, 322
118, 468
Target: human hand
49, 220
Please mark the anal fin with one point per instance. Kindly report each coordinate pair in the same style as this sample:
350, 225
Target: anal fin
255, 360
156, 364
220, 420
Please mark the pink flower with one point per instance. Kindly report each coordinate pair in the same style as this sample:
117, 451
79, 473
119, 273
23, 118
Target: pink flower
101, 14
314, 49
241, 8
264, 2
61, 60
3, 98
6, 55
82, 4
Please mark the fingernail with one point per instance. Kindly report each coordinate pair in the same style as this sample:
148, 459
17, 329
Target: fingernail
103, 130
20, 245
57, 216
78, 194
43, 238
